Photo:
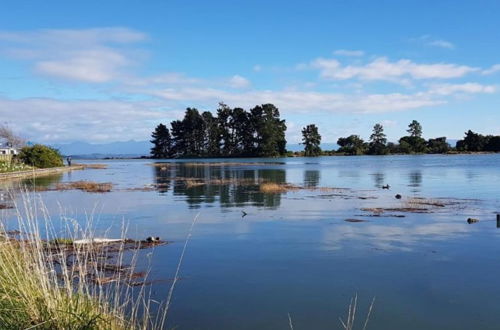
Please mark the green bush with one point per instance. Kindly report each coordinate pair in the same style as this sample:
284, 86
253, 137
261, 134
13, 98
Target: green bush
41, 156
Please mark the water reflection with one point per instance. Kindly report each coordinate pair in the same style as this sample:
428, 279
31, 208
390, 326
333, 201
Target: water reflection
230, 187
10, 190
379, 179
311, 178
415, 179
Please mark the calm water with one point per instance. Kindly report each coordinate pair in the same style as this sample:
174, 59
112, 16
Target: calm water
295, 253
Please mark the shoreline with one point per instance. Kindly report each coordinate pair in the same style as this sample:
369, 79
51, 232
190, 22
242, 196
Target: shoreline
287, 156
39, 172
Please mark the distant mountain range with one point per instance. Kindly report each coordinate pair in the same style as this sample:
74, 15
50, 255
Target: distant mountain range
113, 149
131, 148
141, 148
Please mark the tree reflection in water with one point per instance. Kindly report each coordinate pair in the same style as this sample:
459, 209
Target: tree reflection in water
229, 185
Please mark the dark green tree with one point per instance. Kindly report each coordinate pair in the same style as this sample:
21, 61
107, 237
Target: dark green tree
232, 133
378, 141
352, 145
270, 131
311, 139
415, 129
212, 135
162, 142
438, 146
244, 132
193, 133
41, 156
227, 130
178, 138
493, 144
413, 143
472, 142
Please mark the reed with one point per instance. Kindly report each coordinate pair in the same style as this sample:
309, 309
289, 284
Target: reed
87, 186
277, 187
50, 283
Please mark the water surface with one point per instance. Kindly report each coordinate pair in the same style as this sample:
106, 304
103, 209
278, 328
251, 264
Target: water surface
294, 252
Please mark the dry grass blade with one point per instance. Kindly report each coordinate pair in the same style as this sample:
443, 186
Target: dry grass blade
290, 323
177, 271
351, 314
369, 313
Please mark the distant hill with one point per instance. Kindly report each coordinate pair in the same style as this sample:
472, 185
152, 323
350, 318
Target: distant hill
300, 147
123, 148
135, 148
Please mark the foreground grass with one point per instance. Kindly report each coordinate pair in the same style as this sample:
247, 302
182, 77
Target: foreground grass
54, 284
9, 167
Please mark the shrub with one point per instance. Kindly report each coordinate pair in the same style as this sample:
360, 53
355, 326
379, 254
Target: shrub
41, 156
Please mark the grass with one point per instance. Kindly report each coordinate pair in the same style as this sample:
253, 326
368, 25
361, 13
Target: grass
420, 202
49, 283
8, 167
87, 186
94, 166
193, 183
349, 322
61, 241
271, 187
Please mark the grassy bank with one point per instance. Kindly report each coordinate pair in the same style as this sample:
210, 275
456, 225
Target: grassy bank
9, 167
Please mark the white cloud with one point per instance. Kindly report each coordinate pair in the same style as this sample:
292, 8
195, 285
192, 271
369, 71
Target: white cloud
89, 55
257, 68
441, 44
237, 81
389, 123
302, 102
93, 66
428, 40
74, 36
382, 69
345, 52
466, 88
170, 78
53, 120
494, 69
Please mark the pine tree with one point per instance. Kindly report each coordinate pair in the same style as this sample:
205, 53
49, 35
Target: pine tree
162, 142
415, 129
378, 141
311, 141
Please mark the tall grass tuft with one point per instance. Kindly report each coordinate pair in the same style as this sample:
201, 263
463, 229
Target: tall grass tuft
49, 283
348, 324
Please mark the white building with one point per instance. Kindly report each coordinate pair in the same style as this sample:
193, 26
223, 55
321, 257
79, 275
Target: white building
6, 149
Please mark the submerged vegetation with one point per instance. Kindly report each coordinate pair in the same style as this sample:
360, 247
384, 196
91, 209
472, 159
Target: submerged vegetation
87, 186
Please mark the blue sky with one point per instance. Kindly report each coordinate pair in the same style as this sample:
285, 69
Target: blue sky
101, 71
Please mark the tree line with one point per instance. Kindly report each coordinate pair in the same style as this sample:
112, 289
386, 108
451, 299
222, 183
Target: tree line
378, 145
232, 132
410, 144
260, 132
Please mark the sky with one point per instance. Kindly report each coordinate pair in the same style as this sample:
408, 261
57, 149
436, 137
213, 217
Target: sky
103, 71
